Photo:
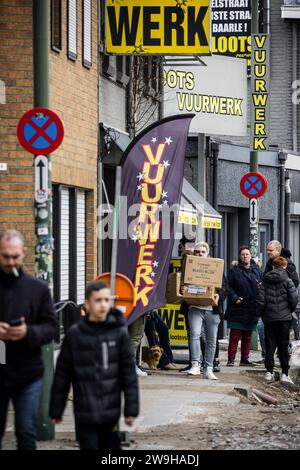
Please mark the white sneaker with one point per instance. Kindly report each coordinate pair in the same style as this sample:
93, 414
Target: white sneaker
286, 379
195, 369
269, 377
208, 374
140, 372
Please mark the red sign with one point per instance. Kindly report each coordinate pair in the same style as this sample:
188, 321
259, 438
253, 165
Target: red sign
40, 131
253, 185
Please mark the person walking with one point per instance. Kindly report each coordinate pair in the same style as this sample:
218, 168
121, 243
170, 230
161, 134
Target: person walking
275, 249
210, 317
242, 312
27, 322
96, 359
277, 299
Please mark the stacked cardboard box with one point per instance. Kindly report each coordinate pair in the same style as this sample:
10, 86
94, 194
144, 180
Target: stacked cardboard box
198, 283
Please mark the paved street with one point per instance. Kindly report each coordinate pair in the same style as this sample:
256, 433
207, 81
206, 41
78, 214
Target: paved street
180, 412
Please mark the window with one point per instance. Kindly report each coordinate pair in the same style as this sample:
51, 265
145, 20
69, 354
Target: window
121, 64
56, 25
80, 245
87, 32
72, 29
69, 229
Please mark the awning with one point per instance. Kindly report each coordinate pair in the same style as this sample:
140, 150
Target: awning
193, 204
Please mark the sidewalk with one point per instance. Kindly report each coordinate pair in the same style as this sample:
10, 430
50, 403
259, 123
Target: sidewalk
167, 398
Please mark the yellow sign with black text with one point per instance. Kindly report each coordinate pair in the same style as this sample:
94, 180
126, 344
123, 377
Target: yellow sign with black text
158, 27
211, 222
187, 218
176, 322
260, 106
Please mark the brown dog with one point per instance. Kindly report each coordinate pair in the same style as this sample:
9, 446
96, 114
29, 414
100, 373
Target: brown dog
152, 355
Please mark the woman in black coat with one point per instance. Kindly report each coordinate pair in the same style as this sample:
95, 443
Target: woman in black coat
242, 312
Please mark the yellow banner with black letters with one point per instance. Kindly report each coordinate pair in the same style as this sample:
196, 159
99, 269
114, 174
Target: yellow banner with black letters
158, 27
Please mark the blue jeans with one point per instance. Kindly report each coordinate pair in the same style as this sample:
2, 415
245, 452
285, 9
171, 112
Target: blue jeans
25, 402
211, 321
261, 334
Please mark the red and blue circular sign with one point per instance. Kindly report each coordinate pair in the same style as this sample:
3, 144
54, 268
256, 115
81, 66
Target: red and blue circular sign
253, 185
40, 131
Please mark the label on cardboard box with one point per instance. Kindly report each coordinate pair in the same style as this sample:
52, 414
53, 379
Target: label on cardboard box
197, 289
201, 271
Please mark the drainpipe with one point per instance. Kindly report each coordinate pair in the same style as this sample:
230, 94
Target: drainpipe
294, 78
287, 208
214, 158
282, 159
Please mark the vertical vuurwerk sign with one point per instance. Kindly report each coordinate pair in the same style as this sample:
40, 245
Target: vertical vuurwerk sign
260, 106
158, 27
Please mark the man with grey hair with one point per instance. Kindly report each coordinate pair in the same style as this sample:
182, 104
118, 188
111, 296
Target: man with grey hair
27, 322
274, 249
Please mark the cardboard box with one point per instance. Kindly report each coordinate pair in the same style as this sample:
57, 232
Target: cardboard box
173, 289
200, 271
202, 296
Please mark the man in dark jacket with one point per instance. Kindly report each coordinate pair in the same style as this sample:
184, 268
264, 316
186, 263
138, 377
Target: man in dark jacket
274, 249
277, 299
96, 359
27, 321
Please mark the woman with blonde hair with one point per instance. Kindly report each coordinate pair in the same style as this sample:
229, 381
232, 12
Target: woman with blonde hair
209, 317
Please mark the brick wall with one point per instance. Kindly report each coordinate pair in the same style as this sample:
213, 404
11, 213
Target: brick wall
74, 96
16, 70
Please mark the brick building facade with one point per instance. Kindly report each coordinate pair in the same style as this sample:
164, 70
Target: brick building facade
73, 69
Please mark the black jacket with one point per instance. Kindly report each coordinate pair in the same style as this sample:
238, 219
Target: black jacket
223, 292
277, 297
96, 358
291, 270
30, 298
243, 283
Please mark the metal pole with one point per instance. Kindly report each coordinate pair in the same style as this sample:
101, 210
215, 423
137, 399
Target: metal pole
43, 227
215, 155
287, 209
282, 159
115, 233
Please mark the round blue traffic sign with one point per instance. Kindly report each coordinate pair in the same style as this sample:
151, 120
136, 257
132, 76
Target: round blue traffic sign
40, 131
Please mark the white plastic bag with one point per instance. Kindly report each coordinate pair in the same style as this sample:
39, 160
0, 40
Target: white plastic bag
295, 357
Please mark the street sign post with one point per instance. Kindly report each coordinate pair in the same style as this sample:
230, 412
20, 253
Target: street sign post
253, 185
253, 211
40, 132
41, 167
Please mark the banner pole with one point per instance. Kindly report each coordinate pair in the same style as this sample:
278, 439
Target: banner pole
114, 254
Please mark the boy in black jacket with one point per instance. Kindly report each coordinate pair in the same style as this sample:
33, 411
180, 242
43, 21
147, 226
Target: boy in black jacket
96, 359
277, 299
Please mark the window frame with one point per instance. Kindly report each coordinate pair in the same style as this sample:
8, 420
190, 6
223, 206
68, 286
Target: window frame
71, 55
85, 62
54, 47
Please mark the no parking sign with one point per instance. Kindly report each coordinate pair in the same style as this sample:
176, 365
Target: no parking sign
253, 185
40, 131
